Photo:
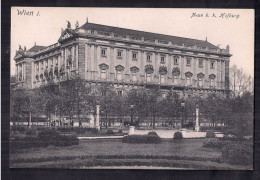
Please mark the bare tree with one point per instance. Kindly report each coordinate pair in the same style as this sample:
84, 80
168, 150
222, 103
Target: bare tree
240, 82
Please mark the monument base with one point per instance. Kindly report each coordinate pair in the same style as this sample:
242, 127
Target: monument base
197, 128
131, 130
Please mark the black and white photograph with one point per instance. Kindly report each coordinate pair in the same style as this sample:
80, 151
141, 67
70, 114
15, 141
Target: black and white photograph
131, 88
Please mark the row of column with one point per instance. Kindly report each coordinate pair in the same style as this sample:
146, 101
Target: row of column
92, 62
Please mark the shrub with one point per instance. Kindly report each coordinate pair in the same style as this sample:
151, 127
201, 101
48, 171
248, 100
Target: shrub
216, 128
177, 135
152, 133
48, 135
27, 142
142, 139
110, 131
210, 134
81, 130
214, 144
63, 129
18, 128
120, 131
63, 141
31, 132
238, 153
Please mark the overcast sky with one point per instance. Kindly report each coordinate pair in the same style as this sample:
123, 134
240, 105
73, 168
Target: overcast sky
43, 26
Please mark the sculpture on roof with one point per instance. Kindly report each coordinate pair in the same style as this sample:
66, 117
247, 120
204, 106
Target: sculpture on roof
76, 25
20, 47
68, 25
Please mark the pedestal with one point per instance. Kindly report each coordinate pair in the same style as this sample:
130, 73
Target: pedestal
131, 130
197, 128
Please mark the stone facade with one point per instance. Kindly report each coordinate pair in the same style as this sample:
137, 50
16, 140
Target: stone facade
127, 58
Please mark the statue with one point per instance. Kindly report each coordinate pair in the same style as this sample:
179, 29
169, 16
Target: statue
20, 47
68, 25
77, 25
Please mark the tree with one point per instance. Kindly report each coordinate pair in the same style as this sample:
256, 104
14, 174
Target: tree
240, 82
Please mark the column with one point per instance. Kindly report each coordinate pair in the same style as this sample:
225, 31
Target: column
197, 127
141, 71
169, 73
195, 66
127, 72
182, 70
97, 118
156, 69
206, 72
112, 65
95, 62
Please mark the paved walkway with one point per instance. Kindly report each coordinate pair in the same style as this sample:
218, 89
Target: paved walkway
165, 134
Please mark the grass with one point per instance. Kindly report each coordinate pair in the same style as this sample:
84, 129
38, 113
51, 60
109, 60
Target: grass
89, 152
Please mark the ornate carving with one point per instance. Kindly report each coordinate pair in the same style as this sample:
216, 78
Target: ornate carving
188, 74
134, 69
68, 25
200, 75
176, 71
149, 69
162, 70
212, 76
120, 68
103, 66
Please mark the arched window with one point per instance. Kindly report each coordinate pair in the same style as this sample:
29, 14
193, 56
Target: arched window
103, 71
134, 70
119, 72
212, 78
200, 77
175, 73
188, 78
148, 72
163, 73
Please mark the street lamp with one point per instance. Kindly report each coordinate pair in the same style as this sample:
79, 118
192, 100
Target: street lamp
182, 105
132, 107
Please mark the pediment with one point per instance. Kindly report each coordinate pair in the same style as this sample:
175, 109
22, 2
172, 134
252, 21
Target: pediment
103, 66
176, 71
188, 74
212, 76
134, 69
120, 68
200, 75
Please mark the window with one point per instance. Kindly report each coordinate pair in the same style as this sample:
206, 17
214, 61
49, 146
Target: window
163, 59
51, 62
212, 82
92, 32
188, 81
42, 64
103, 74
148, 77
119, 93
103, 92
200, 81
176, 60
134, 76
56, 61
189, 96
119, 75
212, 64
200, 63
162, 79
175, 80
148, 57
103, 52
134, 56
163, 95
119, 54
46, 64
188, 62
37, 66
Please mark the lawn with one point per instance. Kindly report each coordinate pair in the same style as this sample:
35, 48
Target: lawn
185, 153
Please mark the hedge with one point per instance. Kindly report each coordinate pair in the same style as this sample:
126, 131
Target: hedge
150, 139
238, 153
152, 133
210, 134
214, 144
177, 135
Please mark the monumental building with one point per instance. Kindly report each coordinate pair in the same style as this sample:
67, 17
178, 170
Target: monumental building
127, 59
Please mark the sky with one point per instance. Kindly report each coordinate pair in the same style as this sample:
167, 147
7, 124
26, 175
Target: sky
233, 27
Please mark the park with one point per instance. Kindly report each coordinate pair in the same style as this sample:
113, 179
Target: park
67, 126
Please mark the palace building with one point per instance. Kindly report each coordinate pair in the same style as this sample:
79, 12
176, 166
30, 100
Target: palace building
128, 59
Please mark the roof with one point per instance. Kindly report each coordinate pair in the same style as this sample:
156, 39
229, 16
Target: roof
147, 35
36, 48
